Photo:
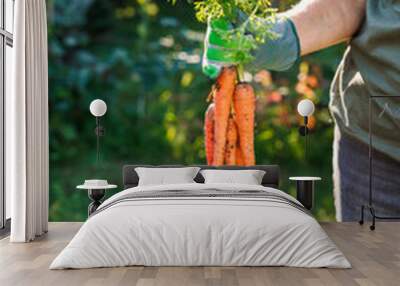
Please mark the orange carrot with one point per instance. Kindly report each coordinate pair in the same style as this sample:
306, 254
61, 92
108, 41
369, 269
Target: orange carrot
223, 92
244, 103
231, 141
239, 156
209, 133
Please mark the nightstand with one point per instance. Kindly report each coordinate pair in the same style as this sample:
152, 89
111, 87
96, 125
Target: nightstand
305, 190
96, 191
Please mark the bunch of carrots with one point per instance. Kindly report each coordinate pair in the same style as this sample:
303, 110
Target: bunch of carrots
229, 121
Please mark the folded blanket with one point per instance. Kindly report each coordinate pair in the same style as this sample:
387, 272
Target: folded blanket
205, 193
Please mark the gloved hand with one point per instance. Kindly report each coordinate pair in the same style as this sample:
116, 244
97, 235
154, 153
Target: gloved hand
218, 50
277, 54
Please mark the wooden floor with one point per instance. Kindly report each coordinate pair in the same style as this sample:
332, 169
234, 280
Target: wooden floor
375, 257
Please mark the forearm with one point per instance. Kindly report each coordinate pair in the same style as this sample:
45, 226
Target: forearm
322, 23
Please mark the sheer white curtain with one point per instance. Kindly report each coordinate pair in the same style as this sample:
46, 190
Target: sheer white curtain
27, 124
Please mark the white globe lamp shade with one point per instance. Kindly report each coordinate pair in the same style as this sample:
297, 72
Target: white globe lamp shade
98, 107
305, 108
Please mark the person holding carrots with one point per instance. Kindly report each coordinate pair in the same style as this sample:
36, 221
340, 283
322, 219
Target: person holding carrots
370, 66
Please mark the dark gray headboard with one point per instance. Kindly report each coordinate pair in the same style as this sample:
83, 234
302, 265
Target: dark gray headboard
271, 177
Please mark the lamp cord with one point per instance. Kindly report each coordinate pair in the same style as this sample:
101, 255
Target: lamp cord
98, 141
305, 152
306, 136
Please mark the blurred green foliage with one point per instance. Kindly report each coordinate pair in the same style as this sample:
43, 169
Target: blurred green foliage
143, 58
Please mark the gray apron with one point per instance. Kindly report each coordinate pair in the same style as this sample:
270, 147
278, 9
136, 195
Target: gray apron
370, 67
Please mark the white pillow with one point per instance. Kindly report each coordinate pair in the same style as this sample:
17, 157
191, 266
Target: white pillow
247, 177
166, 176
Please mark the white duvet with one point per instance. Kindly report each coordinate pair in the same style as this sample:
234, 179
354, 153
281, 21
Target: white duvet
200, 231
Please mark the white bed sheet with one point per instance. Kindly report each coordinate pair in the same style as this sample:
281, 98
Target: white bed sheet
202, 232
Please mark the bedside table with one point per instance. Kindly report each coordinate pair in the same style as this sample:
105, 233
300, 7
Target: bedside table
305, 190
96, 191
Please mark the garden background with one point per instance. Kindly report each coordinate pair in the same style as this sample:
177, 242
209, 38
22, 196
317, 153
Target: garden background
143, 58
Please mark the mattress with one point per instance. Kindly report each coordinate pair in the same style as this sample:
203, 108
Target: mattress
201, 225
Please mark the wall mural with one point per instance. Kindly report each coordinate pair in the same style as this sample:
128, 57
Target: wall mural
143, 58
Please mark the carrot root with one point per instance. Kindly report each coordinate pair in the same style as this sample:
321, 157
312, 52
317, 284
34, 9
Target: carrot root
239, 156
231, 142
223, 93
209, 133
244, 105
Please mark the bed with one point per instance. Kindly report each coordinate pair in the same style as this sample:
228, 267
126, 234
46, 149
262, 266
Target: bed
198, 224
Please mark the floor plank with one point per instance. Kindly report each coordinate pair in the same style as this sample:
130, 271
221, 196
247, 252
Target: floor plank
375, 257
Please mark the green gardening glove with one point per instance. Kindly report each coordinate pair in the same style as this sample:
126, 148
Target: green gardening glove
278, 54
219, 51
